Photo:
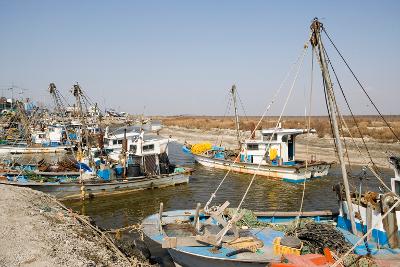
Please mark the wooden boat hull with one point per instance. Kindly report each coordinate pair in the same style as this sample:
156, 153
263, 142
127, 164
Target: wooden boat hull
32, 150
73, 190
294, 174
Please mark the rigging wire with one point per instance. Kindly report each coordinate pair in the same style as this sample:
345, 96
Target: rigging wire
214, 194
308, 136
362, 87
348, 106
374, 169
329, 114
241, 104
269, 143
223, 119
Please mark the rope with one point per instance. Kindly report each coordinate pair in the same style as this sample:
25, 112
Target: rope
242, 106
308, 136
373, 168
362, 87
223, 119
365, 235
348, 106
213, 195
276, 127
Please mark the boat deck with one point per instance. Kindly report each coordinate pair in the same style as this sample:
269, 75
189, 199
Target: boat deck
262, 255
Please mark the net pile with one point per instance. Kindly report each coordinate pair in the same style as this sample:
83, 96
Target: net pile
200, 148
315, 236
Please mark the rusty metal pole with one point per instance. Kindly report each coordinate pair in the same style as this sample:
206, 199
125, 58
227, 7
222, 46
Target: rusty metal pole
317, 42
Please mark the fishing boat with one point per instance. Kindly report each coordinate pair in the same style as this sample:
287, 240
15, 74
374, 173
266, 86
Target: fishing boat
52, 139
274, 151
13, 149
67, 189
276, 157
133, 172
368, 209
137, 143
207, 237
98, 169
191, 236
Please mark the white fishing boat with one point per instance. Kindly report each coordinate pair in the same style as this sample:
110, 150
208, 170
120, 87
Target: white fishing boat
274, 152
11, 149
137, 144
272, 155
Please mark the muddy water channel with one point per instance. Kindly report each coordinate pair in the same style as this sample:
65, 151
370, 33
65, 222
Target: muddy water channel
266, 194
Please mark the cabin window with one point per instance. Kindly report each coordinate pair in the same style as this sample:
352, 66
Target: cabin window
120, 142
115, 142
132, 148
267, 137
148, 148
252, 146
284, 138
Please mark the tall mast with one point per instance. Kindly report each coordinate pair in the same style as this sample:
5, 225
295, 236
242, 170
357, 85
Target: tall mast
24, 121
233, 92
77, 92
316, 41
56, 98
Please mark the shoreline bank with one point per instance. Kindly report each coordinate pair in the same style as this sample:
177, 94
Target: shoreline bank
37, 231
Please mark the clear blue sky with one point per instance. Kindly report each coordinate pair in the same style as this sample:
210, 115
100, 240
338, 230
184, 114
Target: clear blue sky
181, 57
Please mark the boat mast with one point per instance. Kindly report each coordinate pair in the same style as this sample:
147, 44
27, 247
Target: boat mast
56, 98
24, 121
77, 92
233, 92
316, 41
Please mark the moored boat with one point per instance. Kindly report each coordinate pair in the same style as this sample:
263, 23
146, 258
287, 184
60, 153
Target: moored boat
86, 189
273, 155
7, 149
208, 237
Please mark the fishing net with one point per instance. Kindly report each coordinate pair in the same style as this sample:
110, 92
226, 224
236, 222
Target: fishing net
200, 148
315, 236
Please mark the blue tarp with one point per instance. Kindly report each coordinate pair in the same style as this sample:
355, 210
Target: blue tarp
83, 166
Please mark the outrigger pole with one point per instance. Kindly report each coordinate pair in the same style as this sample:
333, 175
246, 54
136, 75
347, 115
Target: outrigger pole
233, 92
316, 41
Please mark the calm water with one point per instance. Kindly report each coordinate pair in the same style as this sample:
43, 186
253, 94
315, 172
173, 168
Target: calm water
265, 194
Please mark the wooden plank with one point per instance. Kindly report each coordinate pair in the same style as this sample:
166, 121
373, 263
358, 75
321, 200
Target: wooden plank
187, 241
196, 217
294, 213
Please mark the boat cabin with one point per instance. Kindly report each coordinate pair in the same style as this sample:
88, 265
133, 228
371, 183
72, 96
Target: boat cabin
280, 143
52, 136
136, 144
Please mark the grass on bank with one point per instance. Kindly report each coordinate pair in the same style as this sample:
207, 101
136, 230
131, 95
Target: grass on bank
370, 126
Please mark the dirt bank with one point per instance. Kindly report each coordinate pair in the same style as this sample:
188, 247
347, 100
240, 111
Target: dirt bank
322, 148
36, 231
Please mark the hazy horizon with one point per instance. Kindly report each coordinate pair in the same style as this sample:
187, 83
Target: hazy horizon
182, 57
